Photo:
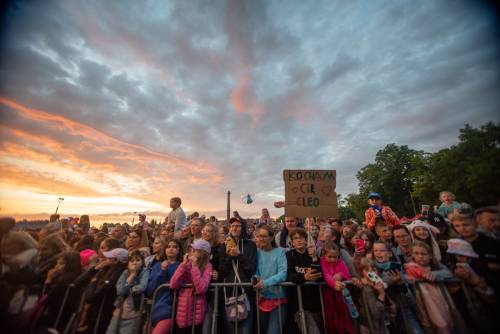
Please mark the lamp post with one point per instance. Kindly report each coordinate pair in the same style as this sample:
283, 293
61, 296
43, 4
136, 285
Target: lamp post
59, 200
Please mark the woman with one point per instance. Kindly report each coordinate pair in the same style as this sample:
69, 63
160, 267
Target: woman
158, 250
271, 271
138, 240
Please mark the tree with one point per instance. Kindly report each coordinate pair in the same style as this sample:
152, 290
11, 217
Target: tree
470, 169
393, 174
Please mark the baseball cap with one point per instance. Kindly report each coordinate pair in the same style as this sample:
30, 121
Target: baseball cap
120, 254
374, 195
202, 245
234, 219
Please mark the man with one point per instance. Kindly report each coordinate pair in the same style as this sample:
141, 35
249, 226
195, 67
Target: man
282, 239
177, 216
402, 238
239, 253
488, 221
488, 249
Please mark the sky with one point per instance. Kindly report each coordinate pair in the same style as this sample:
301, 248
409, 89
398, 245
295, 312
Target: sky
116, 106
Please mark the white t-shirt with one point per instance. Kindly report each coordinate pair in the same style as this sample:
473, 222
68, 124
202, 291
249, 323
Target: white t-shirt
178, 217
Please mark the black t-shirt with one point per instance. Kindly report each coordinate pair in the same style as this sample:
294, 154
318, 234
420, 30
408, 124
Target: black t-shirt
488, 250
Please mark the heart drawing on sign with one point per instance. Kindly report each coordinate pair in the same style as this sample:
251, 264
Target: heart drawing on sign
295, 189
327, 190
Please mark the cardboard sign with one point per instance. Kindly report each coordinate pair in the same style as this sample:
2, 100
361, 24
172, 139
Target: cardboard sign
310, 193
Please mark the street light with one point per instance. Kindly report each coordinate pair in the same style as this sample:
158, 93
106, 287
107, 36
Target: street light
59, 200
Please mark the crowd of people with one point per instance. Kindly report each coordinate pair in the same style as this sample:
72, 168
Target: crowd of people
437, 272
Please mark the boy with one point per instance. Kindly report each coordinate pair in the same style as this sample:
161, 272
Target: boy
378, 212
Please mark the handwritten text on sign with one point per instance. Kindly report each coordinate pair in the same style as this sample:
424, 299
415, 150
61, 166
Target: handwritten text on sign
310, 193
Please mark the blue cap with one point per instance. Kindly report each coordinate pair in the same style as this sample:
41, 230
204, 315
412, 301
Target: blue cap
374, 195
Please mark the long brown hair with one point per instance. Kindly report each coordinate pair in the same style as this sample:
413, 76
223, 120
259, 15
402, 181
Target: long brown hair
435, 265
215, 234
203, 259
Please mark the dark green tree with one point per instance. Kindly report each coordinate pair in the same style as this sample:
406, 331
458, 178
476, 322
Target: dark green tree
470, 169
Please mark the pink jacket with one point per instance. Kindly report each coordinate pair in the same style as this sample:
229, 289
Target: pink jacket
331, 269
187, 274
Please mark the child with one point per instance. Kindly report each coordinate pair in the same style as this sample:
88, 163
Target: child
433, 306
424, 232
378, 212
398, 293
373, 296
129, 288
335, 271
65, 271
197, 270
448, 203
161, 273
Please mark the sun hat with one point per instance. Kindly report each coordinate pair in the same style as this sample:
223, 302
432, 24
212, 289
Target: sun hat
461, 247
202, 244
120, 254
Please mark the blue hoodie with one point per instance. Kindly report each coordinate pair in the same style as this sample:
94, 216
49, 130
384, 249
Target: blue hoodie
162, 308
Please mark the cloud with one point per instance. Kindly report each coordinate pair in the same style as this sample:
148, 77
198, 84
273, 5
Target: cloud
196, 98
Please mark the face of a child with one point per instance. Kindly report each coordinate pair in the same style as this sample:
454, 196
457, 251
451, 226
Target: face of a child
466, 228
157, 246
298, 242
375, 201
172, 250
384, 233
446, 197
60, 265
134, 263
380, 252
102, 248
331, 256
420, 256
462, 259
421, 232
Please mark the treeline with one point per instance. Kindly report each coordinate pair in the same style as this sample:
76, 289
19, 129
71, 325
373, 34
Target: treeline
407, 178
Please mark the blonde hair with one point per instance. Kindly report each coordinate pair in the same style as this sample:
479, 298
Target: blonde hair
202, 259
441, 193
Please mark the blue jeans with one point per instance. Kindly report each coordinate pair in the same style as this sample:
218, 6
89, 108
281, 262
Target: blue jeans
273, 322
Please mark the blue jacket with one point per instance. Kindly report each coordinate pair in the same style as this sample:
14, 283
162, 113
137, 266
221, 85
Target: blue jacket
162, 308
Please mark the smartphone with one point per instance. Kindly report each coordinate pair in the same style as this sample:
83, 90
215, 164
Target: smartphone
316, 267
395, 266
360, 246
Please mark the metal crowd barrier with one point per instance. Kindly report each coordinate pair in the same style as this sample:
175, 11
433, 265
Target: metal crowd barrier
74, 320
217, 286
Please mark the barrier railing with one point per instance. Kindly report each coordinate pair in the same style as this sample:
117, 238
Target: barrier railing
74, 319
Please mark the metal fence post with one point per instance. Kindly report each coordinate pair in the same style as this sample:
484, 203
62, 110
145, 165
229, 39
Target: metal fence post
301, 310
215, 314
65, 298
322, 307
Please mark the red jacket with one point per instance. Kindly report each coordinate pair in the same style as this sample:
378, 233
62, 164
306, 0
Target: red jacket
191, 297
389, 217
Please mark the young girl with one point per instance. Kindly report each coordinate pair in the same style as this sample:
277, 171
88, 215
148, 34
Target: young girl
65, 271
448, 203
432, 304
162, 272
197, 270
373, 296
129, 288
424, 232
335, 271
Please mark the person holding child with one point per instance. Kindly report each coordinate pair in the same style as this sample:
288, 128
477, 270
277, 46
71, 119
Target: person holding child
378, 212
